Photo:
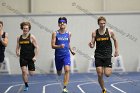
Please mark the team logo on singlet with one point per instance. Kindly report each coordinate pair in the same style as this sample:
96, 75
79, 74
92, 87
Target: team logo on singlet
103, 39
24, 42
62, 38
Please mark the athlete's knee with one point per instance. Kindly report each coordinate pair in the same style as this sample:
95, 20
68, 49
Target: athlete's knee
31, 73
100, 74
24, 72
67, 71
107, 74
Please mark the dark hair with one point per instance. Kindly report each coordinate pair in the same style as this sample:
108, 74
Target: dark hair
1, 23
62, 18
25, 23
101, 18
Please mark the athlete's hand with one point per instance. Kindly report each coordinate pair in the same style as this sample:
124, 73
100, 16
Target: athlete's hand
116, 53
62, 45
72, 52
90, 45
18, 54
34, 59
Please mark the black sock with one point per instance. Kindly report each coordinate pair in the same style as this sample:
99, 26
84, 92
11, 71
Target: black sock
26, 84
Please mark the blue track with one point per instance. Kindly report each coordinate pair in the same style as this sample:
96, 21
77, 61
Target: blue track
79, 83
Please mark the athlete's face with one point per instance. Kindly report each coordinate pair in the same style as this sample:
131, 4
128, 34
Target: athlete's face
102, 23
62, 25
25, 29
1, 26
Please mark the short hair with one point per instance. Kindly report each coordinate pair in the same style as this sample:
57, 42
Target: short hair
62, 18
25, 23
1, 23
101, 18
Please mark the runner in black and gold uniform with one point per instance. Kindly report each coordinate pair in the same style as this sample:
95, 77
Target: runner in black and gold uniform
27, 50
3, 43
103, 53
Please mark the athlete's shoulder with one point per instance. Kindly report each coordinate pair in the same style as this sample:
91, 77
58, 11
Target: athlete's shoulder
55, 32
32, 36
110, 31
19, 36
94, 33
68, 32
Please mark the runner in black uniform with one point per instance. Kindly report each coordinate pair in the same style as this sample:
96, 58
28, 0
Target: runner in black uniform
103, 52
103, 49
27, 50
3, 43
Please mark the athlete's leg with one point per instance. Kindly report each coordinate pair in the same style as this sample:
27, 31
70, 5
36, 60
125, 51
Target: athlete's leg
24, 73
25, 77
108, 71
67, 72
100, 72
66, 75
24, 69
1, 60
108, 67
59, 64
59, 72
31, 67
0, 65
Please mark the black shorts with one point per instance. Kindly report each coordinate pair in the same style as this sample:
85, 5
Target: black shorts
103, 62
27, 62
1, 58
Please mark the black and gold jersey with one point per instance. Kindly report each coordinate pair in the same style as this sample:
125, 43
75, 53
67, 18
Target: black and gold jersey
26, 47
103, 45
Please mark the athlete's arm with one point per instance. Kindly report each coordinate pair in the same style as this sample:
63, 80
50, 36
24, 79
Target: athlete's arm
5, 40
53, 40
18, 47
92, 42
34, 41
71, 50
115, 42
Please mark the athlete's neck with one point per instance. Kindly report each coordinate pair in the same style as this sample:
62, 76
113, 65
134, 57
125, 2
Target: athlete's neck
102, 30
25, 35
62, 30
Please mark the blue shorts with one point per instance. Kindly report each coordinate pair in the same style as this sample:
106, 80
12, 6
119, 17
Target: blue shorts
61, 61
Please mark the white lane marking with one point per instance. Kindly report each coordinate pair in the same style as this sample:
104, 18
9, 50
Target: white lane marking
7, 90
44, 87
84, 84
113, 85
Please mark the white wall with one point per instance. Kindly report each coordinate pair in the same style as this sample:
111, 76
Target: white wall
21, 5
66, 6
81, 27
122, 5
